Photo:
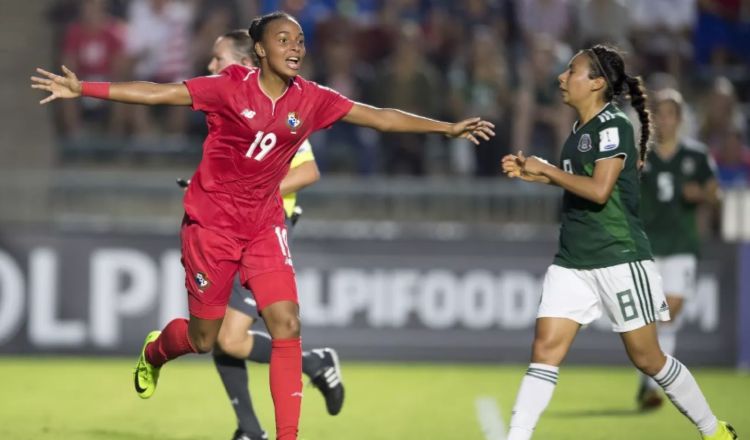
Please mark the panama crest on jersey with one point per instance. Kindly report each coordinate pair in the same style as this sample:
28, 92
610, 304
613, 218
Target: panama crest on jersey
293, 121
584, 144
201, 281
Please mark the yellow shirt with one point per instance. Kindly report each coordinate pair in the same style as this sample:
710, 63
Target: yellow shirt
304, 154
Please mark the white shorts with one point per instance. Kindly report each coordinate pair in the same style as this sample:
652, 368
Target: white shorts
630, 293
678, 272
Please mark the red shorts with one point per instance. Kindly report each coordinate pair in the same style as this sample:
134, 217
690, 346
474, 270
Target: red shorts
212, 259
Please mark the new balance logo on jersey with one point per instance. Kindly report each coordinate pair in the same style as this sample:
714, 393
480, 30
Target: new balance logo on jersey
249, 114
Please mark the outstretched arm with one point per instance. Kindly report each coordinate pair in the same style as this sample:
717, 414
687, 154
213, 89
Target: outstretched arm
392, 120
139, 92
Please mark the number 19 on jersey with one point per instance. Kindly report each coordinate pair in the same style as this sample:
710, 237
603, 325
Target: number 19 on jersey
266, 141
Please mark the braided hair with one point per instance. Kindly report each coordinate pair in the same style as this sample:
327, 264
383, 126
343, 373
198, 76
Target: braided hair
258, 28
607, 62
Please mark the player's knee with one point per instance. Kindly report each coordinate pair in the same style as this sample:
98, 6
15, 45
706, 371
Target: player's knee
224, 342
286, 326
203, 343
229, 343
291, 326
547, 350
649, 363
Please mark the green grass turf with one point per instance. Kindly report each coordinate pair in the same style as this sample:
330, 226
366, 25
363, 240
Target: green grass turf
93, 398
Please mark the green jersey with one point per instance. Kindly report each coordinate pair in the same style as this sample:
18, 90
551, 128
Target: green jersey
669, 219
593, 235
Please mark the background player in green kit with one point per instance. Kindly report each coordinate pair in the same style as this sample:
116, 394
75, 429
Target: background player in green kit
604, 262
677, 177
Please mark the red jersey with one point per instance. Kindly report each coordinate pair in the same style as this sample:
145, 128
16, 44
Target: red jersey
250, 144
94, 51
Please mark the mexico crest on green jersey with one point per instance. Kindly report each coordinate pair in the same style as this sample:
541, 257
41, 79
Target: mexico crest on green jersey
584, 144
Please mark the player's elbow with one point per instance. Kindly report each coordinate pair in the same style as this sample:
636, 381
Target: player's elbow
314, 175
386, 120
152, 97
601, 195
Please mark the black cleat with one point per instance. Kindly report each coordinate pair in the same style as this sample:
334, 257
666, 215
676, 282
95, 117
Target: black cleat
328, 380
239, 435
648, 399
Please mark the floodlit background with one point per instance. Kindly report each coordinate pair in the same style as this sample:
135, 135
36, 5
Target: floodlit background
416, 259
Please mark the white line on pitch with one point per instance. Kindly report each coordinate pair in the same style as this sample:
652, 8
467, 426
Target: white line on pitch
490, 419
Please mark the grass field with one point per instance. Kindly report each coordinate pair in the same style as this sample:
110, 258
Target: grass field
71, 399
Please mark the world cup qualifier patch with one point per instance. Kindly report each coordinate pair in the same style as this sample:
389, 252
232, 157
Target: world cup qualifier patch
584, 143
609, 139
201, 281
293, 121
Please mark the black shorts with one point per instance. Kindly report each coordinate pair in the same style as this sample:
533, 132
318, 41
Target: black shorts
242, 299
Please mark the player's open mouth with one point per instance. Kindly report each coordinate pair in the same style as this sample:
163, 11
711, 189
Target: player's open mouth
293, 63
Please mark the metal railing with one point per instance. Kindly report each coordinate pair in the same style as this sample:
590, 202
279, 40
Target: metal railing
377, 206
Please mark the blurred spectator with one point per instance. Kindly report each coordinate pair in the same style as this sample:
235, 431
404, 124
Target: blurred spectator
158, 45
498, 59
723, 130
602, 21
92, 48
544, 17
473, 13
721, 113
307, 12
480, 86
722, 32
214, 18
733, 159
345, 147
660, 30
443, 36
409, 82
541, 120
394, 12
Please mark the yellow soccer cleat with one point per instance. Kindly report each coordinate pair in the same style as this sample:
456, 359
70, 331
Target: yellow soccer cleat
146, 375
723, 432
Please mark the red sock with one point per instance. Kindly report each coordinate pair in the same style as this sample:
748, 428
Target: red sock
286, 385
173, 342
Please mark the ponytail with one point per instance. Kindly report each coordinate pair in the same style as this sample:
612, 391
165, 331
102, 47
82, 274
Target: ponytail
638, 101
607, 62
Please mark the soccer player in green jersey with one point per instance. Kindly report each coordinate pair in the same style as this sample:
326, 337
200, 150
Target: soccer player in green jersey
677, 177
604, 262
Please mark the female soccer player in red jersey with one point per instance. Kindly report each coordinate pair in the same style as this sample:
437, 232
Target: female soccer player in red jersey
234, 221
236, 343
